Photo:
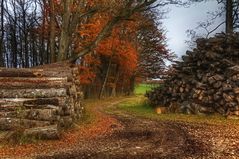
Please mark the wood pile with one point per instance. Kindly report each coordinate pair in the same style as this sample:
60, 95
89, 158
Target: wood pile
205, 81
41, 101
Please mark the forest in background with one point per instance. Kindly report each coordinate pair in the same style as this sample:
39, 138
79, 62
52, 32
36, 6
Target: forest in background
112, 42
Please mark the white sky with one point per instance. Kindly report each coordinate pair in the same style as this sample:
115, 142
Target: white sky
181, 19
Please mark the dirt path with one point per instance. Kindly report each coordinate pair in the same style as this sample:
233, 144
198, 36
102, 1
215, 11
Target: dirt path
122, 135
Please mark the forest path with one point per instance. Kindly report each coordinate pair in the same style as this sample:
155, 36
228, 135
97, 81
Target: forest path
113, 133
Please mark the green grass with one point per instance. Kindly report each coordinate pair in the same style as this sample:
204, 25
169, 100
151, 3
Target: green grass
138, 106
141, 89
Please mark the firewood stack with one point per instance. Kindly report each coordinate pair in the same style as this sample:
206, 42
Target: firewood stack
39, 101
205, 81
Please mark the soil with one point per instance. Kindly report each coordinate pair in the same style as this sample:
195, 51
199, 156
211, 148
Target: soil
124, 136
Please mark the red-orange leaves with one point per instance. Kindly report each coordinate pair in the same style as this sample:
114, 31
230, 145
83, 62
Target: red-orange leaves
87, 72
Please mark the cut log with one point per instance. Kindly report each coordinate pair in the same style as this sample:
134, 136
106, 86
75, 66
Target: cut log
51, 115
13, 72
14, 83
42, 114
14, 123
161, 110
47, 132
12, 104
33, 93
40, 99
207, 76
236, 90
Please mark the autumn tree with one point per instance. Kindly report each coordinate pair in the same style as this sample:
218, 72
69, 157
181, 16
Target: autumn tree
43, 31
115, 54
114, 64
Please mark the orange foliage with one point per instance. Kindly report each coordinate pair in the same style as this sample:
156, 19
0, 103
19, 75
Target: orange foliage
118, 46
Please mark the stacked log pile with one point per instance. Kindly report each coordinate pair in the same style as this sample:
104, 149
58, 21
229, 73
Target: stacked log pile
205, 81
40, 101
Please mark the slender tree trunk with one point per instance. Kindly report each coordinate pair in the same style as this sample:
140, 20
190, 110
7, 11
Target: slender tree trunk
229, 17
2, 35
25, 33
106, 77
52, 32
132, 84
113, 93
13, 46
43, 52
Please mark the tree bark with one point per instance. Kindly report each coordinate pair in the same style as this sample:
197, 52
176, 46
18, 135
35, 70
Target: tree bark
229, 16
2, 35
65, 37
113, 93
52, 32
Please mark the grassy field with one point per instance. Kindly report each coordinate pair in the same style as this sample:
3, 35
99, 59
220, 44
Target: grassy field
141, 89
138, 106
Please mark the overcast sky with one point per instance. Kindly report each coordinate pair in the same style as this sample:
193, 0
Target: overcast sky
180, 19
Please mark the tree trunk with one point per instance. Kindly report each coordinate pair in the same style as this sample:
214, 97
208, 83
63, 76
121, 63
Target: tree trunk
65, 32
113, 93
229, 17
2, 36
64, 46
25, 33
52, 32
132, 84
106, 77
